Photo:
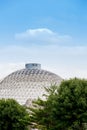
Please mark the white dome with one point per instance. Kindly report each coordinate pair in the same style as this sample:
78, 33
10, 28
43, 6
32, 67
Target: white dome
27, 84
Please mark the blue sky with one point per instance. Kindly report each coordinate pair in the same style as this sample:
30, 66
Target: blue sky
51, 32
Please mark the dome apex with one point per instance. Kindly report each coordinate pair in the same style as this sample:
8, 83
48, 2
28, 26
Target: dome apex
32, 66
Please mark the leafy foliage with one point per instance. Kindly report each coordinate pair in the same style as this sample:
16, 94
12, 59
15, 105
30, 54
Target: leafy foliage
13, 116
65, 107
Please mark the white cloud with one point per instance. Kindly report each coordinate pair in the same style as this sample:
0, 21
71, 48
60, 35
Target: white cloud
42, 36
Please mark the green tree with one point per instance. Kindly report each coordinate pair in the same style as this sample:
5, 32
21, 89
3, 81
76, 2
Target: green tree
65, 107
13, 116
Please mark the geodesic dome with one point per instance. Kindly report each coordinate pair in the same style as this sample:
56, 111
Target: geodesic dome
27, 84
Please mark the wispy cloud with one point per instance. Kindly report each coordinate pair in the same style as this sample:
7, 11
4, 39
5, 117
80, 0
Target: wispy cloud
42, 36
64, 61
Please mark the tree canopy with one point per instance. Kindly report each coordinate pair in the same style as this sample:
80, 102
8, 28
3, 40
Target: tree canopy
13, 116
65, 107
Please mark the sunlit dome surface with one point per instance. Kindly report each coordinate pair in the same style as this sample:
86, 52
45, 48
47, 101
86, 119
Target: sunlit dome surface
27, 84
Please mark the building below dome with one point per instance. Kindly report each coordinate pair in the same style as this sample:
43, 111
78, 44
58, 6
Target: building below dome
27, 84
